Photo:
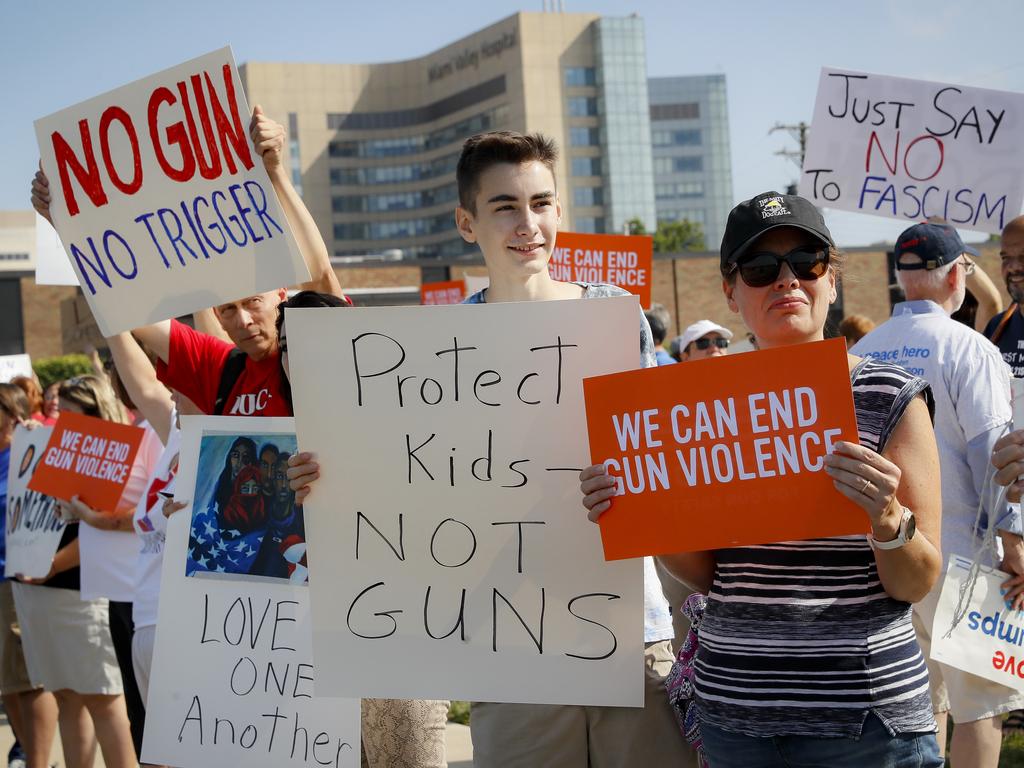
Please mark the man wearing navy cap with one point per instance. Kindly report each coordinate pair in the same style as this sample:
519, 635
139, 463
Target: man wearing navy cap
971, 386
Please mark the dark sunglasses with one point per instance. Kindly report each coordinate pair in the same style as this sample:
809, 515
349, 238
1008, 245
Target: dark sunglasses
705, 343
760, 269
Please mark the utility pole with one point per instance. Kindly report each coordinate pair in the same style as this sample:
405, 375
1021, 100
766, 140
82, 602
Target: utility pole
799, 134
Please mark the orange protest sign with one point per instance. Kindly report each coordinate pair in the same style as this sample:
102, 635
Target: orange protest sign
622, 260
724, 452
89, 458
447, 292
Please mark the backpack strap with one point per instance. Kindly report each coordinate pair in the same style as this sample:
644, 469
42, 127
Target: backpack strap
234, 364
1003, 322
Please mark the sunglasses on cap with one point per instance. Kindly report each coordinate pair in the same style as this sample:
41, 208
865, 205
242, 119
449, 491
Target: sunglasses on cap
760, 269
704, 343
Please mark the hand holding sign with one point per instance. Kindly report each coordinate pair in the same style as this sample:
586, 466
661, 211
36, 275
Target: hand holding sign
711, 436
869, 480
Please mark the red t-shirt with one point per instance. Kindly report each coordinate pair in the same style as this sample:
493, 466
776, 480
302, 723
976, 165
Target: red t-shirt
194, 367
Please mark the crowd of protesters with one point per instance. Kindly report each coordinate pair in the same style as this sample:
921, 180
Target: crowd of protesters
811, 652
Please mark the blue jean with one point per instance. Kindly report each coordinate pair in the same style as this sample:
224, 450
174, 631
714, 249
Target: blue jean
876, 748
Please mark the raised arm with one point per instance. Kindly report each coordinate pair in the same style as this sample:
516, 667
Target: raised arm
137, 374
985, 291
269, 140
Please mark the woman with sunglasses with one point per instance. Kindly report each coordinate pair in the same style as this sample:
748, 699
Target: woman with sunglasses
807, 655
701, 340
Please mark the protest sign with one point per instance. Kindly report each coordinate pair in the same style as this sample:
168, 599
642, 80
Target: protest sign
450, 554
713, 453
33, 528
233, 678
89, 458
914, 149
447, 292
161, 200
12, 366
52, 265
989, 639
622, 260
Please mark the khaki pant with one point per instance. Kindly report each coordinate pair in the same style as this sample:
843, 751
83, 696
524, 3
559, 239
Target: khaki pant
13, 672
554, 736
404, 733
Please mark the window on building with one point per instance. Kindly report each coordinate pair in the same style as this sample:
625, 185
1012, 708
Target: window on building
685, 138
689, 111
580, 136
582, 196
687, 164
580, 76
582, 106
594, 224
679, 189
586, 166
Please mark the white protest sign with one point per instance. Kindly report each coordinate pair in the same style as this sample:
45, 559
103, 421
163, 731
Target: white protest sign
451, 556
52, 265
913, 149
33, 528
232, 680
989, 640
12, 366
161, 200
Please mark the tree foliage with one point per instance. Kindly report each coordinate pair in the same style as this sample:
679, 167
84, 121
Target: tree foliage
51, 369
672, 236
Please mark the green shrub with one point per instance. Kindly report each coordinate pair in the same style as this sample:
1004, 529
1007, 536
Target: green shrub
51, 369
458, 712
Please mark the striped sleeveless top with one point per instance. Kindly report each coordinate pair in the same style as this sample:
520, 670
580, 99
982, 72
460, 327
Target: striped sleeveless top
799, 638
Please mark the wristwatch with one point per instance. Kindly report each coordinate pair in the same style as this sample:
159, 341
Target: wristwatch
908, 527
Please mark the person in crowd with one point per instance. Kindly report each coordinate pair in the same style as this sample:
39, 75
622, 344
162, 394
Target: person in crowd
51, 404
509, 208
396, 733
659, 320
69, 651
1006, 328
160, 408
240, 377
30, 386
107, 543
854, 328
31, 711
970, 383
821, 666
701, 340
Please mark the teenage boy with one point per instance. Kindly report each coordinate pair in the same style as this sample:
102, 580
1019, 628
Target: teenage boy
243, 377
508, 206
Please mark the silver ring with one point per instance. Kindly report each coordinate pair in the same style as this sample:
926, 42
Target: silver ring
864, 488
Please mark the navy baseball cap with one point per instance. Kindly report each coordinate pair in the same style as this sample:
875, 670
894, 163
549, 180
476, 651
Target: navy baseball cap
752, 218
934, 244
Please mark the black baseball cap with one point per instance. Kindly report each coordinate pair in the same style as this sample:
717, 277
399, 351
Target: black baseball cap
752, 218
934, 244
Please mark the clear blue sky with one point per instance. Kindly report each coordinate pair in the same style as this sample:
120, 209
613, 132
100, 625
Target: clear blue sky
57, 53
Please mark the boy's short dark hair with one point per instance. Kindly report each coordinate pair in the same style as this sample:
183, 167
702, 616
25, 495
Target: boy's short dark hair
482, 151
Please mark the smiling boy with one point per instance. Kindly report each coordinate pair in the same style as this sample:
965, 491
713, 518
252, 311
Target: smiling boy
509, 207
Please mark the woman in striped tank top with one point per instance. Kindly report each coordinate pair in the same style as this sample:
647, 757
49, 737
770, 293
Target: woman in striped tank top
807, 652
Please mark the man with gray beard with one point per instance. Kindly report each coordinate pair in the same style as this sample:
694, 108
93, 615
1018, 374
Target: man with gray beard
1006, 330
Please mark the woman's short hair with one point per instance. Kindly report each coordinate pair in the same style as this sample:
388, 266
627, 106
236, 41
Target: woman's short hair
14, 402
856, 327
95, 397
32, 391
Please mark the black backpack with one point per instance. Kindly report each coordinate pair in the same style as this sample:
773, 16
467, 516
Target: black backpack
229, 375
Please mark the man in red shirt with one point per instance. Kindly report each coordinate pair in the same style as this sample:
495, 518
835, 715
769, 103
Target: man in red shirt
241, 377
